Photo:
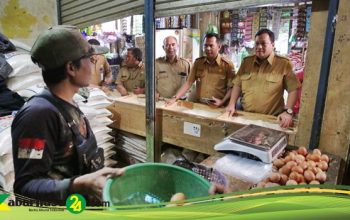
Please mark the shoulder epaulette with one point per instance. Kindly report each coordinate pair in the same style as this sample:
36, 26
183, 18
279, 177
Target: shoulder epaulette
225, 59
180, 58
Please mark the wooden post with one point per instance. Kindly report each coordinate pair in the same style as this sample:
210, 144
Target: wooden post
335, 131
312, 71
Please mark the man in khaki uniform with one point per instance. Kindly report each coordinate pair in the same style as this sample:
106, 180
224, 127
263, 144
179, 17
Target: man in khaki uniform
262, 79
171, 71
131, 77
101, 72
213, 75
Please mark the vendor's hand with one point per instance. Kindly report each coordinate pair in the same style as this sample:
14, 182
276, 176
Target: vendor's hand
285, 119
93, 183
216, 188
216, 102
124, 93
105, 89
170, 101
139, 90
121, 89
231, 109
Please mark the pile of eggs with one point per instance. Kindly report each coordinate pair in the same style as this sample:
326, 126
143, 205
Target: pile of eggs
298, 167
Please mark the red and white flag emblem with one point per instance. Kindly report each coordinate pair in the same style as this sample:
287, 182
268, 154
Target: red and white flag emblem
31, 148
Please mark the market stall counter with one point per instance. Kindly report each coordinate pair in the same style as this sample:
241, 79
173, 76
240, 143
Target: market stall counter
199, 127
185, 124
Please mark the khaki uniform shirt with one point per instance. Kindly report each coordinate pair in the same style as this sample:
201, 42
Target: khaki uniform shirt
263, 84
212, 79
168, 77
100, 70
131, 77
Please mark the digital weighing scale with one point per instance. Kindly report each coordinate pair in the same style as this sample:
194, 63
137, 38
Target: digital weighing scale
264, 143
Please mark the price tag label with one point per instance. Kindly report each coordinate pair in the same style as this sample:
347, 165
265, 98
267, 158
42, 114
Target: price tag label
192, 129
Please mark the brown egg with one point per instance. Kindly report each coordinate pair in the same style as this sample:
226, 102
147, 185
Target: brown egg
315, 182
285, 170
315, 157
284, 179
317, 151
278, 163
269, 184
323, 165
309, 175
301, 178
275, 177
303, 165
321, 177
313, 169
261, 185
294, 176
325, 157
178, 197
311, 163
299, 158
298, 169
308, 157
291, 164
302, 151
288, 158
291, 182
292, 154
318, 170
274, 169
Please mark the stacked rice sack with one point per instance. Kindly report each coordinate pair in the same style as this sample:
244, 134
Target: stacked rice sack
26, 80
25, 73
95, 110
6, 161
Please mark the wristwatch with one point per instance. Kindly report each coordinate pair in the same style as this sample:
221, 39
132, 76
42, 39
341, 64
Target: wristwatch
289, 111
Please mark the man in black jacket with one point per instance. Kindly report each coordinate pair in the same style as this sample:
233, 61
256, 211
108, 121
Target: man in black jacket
54, 149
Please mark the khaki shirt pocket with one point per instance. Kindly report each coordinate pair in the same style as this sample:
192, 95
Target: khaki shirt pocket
124, 76
219, 80
246, 81
162, 75
200, 75
273, 83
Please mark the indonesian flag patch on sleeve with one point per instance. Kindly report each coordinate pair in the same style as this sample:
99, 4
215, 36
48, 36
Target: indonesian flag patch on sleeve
31, 148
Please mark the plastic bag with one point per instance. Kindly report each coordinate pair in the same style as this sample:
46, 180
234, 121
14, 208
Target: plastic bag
242, 168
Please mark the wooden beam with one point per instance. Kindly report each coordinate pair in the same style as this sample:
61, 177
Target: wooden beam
335, 132
312, 71
182, 7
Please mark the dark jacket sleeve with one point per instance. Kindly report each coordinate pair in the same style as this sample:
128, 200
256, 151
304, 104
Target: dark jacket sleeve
35, 129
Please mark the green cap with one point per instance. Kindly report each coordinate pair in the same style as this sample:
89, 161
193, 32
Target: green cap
61, 44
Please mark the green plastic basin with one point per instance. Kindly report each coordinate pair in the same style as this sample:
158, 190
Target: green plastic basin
153, 183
